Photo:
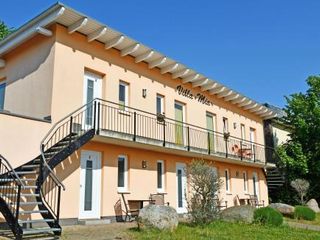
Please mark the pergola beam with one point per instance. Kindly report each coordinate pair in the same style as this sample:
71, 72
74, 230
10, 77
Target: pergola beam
131, 49
191, 78
77, 25
256, 109
181, 73
217, 90
144, 56
96, 34
44, 31
169, 68
239, 100
225, 94
250, 106
245, 103
232, 97
209, 86
114, 42
200, 82
157, 62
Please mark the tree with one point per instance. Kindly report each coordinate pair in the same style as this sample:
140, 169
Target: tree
204, 185
302, 187
4, 30
300, 157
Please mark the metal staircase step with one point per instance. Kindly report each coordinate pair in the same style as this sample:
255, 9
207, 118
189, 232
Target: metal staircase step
35, 221
26, 172
30, 166
27, 231
32, 211
30, 203
21, 194
25, 187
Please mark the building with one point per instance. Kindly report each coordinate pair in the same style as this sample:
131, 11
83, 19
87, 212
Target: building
101, 114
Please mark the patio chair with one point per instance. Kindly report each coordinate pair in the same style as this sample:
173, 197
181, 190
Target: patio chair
219, 203
131, 210
158, 199
253, 201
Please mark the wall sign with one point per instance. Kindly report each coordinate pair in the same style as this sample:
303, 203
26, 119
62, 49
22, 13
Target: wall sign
198, 96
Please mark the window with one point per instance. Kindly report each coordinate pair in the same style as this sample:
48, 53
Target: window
123, 95
210, 119
160, 104
122, 173
225, 125
160, 176
2, 92
243, 132
227, 180
245, 182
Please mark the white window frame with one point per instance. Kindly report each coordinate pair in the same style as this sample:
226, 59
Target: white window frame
225, 122
243, 131
227, 180
4, 96
245, 182
125, 180
126, 92
161, 97
162, 189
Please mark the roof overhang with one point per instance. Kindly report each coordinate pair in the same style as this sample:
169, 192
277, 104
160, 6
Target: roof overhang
78, 22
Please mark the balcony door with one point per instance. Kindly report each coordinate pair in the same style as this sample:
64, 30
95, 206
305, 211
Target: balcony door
211, 128
179, 117
90, 185
92, 89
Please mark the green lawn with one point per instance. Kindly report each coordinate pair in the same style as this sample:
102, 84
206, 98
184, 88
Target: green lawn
222, 230
315, 222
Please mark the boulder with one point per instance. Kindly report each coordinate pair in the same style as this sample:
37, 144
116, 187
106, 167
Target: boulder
312, 203
284, 209
158, 216
238, 214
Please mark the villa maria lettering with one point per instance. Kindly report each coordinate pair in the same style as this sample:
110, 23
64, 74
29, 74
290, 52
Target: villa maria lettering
199, 97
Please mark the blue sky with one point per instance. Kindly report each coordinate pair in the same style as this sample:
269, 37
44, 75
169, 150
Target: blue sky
263, 49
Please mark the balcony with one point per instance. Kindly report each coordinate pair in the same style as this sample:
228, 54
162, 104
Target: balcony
125, 123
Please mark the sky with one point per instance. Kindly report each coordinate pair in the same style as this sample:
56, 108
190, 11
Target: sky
262, 49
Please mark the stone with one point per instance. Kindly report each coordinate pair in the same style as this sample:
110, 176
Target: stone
238, 214
284, 209
158, 216
312, 203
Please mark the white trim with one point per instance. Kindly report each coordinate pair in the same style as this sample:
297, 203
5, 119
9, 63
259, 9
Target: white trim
126, 93
161, 103
256, 184
125, 180
162, 189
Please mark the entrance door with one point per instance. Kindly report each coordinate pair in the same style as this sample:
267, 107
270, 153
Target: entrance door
90, 185
210, 127
92, 89
181, 188
179, 117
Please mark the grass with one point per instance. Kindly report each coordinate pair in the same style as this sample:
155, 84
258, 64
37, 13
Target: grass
223, 231
315, 222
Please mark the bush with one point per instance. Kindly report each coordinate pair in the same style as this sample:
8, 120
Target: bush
305, 213
268, 216
204, 186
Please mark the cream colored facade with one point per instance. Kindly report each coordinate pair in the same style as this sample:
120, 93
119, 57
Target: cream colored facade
45, 79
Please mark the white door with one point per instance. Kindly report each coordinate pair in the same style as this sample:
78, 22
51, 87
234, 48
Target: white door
181, 188
92, 88
90, 185
253, 140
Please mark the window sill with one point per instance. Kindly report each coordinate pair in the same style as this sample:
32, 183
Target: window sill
228, 193
124, 192
161, 192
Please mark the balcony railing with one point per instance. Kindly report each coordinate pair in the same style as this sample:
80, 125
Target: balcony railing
114, 120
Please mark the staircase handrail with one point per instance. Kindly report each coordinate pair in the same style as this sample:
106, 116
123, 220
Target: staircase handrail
13, 171
52, 129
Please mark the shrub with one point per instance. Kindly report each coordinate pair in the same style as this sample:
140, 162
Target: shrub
305, 213
268, 216
202, 198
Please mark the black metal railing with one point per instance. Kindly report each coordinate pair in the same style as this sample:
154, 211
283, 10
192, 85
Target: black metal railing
61, 136
10, 191
138, 125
